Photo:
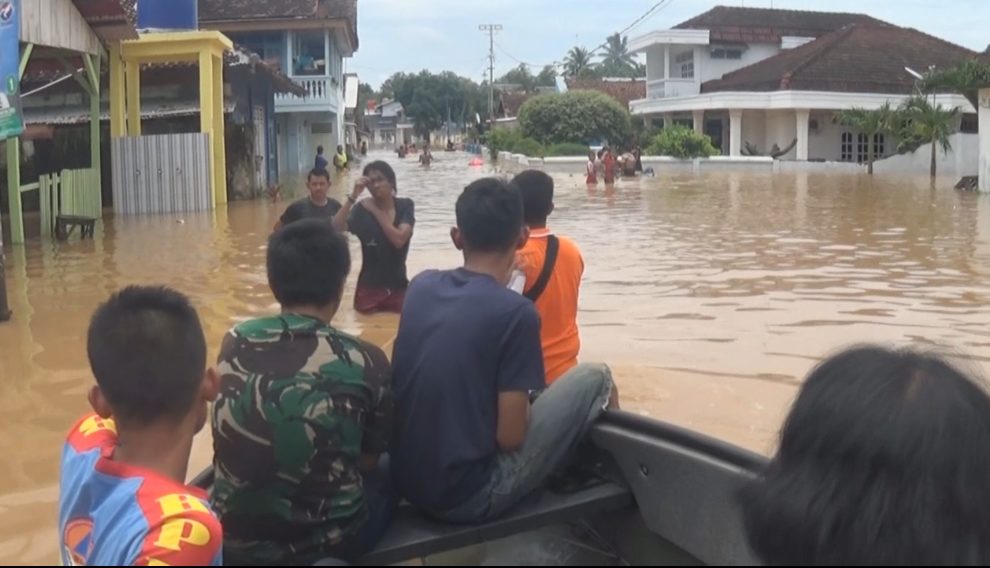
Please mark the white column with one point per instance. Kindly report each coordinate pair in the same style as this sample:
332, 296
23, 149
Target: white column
699, 121
803, 115
668, 121
666, 62
735, 132
984, 102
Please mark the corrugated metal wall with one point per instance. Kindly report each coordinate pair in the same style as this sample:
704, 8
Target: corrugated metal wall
161, 174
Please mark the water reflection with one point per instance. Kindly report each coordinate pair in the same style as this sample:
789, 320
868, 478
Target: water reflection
711, 296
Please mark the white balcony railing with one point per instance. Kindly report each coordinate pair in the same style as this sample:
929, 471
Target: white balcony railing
665, 88
322, 95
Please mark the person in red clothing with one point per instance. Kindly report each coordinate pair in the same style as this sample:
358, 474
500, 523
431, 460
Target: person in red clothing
553, 267
608, 163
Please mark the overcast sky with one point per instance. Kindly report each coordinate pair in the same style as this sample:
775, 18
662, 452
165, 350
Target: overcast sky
410, 35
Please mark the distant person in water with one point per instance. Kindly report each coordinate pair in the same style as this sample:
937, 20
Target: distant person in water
608, 166
467, 445
315, 205
553, 266
638, 154
591, 170
384, 224
340, 160
364, 147
321, 162
882, 461
426, 158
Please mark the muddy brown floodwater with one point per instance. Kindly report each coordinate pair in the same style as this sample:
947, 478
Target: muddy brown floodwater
711, 297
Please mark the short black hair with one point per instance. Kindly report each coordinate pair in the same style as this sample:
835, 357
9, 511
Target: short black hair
883, 460
148, 353
490, 215
319, 149
383, 168
318, 172
308, 262
536, 188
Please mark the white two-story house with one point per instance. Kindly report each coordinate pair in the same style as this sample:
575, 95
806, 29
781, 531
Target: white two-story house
761, 81
308, 40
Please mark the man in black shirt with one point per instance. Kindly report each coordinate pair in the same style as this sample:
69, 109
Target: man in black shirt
317, 205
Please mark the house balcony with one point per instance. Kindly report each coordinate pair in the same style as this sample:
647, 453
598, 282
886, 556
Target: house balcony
324, 94
666, 88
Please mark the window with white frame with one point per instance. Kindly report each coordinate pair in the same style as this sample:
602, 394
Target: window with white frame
726, 53
685, 61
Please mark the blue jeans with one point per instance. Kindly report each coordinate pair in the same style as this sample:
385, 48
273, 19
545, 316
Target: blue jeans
558, 421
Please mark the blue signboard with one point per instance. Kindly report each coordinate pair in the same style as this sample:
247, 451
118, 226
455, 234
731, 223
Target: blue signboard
10, 59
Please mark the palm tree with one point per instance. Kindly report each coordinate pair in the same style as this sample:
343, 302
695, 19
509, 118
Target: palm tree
929, 123
871, 123
966, 78
578, 62
617, 59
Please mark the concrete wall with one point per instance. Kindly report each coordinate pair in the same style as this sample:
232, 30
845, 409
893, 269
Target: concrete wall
781, 128
660, 164
984, 144
962, 160
754, 125
715, 68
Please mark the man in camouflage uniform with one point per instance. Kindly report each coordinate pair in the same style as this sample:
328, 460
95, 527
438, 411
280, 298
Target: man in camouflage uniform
303, 414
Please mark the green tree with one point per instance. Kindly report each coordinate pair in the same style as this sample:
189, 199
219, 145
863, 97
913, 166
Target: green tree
966, 78
547, 77
681, 142
578, 63
871, 123
519, 76
617, 61
576, 116
928, 123
427, 97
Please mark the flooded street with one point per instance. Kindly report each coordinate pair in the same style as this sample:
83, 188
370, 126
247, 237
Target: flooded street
710, 296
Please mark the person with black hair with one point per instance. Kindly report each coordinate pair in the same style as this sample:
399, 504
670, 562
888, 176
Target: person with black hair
303, 415
316, 205
384, 224
321, 162
553, 267
122, 497
466, 445
883, 461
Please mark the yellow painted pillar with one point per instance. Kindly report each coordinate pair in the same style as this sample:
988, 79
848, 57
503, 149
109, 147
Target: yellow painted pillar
118, 116
133, 98
206, 111
219, 134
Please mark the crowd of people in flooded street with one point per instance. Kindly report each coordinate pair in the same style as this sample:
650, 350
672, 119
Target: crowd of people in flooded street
318, 435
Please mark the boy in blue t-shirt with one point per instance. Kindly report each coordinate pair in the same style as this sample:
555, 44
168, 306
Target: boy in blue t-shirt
122, 496
467, 444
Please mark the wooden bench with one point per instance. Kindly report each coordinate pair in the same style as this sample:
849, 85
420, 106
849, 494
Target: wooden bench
65, 224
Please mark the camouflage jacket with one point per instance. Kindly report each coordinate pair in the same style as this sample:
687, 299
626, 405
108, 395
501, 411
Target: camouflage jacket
299, 403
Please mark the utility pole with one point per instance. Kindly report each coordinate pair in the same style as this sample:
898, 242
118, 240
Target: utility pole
491, 29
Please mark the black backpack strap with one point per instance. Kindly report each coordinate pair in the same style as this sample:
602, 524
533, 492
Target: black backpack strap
553, 247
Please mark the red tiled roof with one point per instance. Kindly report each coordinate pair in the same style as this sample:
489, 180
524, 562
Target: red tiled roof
622, 91
859, 58
767, 25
